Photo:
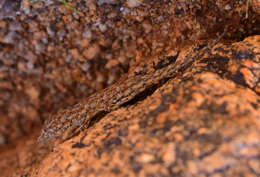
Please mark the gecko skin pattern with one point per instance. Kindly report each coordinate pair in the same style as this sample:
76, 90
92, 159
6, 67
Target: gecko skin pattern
65, 122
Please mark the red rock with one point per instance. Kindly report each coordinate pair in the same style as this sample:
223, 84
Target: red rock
204, 121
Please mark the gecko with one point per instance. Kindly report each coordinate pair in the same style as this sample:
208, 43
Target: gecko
65, 122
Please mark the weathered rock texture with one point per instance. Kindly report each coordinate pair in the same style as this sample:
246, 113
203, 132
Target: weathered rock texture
51, 57
203, 122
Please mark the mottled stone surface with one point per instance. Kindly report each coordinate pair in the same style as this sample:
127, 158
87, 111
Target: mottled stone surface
256, 6
52, 57
204, 122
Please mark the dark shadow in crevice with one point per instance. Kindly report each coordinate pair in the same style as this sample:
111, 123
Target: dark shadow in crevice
144, 94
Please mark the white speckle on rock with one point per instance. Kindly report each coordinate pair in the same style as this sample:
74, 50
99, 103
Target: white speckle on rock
102, 27
30, 65
227, 7
85, 67
87, 34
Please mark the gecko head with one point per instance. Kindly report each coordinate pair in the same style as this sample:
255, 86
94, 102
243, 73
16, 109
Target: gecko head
50, 129
53, 127
45, 135
48, 133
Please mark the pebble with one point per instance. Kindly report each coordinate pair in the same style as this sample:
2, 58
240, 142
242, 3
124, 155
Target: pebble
10, 7
228, 7
101, 2
256, 6
133, 3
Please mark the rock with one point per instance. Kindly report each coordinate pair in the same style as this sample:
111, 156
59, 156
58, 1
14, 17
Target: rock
91, 52
203, 121
256, 6
133, 3
101, 2
66, 56
9, 8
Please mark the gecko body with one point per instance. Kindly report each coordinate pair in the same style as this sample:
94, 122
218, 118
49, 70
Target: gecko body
80, 115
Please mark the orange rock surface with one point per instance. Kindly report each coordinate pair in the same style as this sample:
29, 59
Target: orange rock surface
205, 121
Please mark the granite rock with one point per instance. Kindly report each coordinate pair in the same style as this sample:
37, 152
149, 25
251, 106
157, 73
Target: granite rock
203, 122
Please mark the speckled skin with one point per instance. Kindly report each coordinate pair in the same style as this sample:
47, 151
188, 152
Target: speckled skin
80, 115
